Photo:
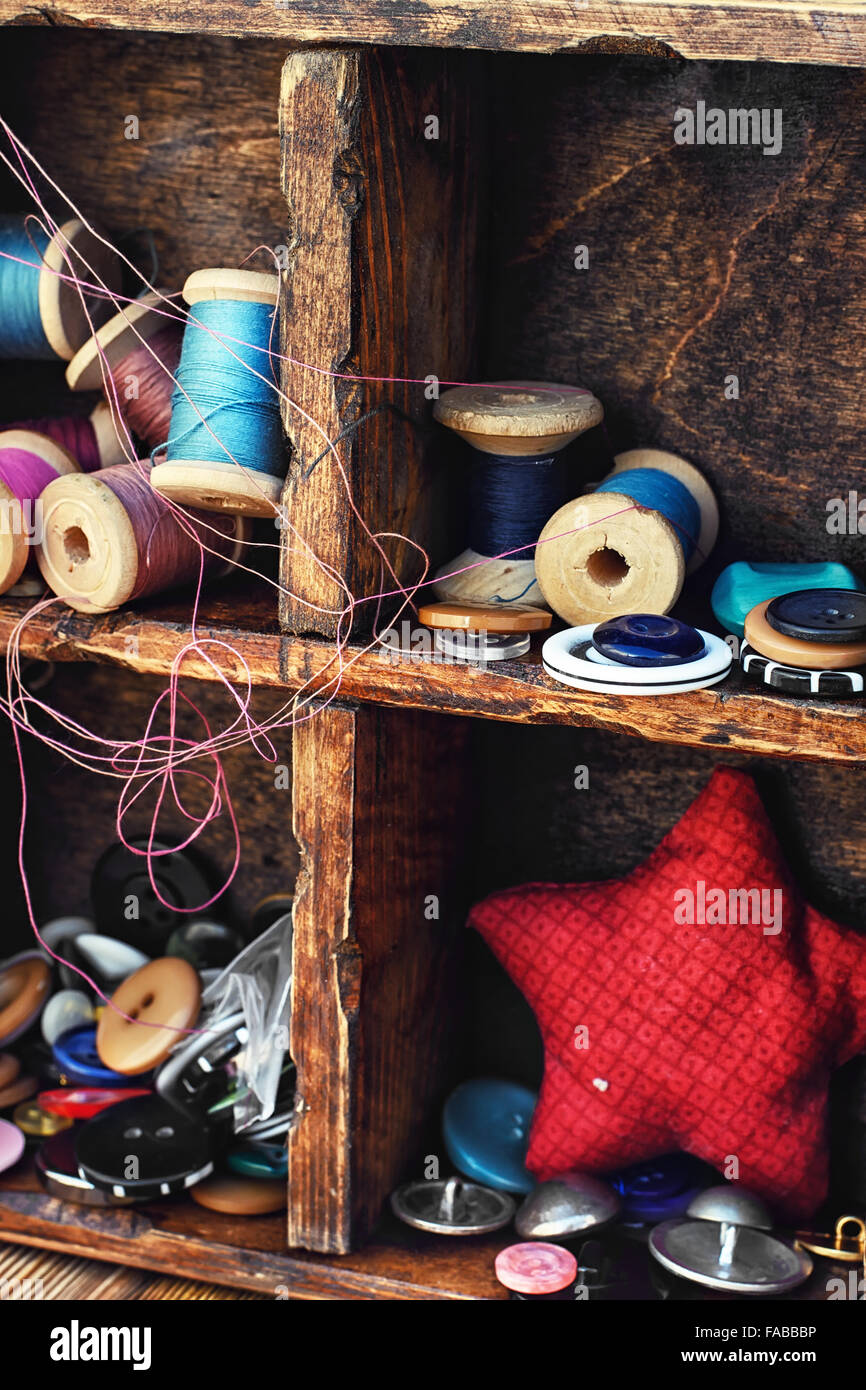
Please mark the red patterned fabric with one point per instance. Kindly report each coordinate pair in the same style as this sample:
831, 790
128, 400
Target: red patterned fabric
659, 1034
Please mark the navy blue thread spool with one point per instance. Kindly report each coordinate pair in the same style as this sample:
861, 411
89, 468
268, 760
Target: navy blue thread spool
627, 547
517, 429
226, 370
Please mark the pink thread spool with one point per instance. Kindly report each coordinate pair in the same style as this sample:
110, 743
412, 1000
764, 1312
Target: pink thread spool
140, 349
109, 539
91, 439
28, 463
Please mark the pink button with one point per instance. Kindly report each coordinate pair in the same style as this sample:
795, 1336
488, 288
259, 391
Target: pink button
11, 1145
536, 1268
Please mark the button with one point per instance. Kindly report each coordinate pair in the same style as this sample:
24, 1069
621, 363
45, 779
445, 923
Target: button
734, 1258
81, 1103
535, 1268
9, 1069
143, 1148
261, 1160
79, 1062
61, 929
742, 585
565, 1205
733, 1204
824, 655
22, 1088
571, 658
485, 1124
112, 961
165, 993
57, 1170
194, 1077
661, 1188
794, 680
268, 911
36, 1122
25, 981
205, 944
820, 615
241, 1196
452, 1207
486, 617
647, 639
65, 1010
11, 1145
121, 882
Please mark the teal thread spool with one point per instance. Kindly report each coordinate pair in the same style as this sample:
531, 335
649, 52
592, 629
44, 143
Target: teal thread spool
42, 316
225, 368
627, 547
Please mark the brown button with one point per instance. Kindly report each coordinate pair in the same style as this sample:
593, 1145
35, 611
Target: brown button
237, 1196
9, 1069
23, 991
485, 617
21, 1089
164, 994
796, 651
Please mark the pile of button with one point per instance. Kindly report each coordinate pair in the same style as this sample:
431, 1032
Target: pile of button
582, 1236
136, 1100
811, 642
636, 654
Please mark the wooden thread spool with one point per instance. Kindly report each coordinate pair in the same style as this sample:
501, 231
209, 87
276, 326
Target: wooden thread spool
73, 251
91, 557
603, 555
530, 423
217, 484
20, 517
125, 333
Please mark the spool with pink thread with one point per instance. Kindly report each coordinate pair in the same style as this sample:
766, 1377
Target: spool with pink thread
92, 439
28, 463
109, 539
133, 358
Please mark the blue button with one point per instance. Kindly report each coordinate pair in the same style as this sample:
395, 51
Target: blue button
648, 639
76, 1057
485, 1125
259, 1160
661, 1188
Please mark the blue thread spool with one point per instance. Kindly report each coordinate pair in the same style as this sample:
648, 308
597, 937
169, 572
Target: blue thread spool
627, 547
226, 370
41, 313
517, 429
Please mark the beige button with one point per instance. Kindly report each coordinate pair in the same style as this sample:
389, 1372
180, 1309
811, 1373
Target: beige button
23, 988
794, 651
237, 1196
162, 999
485, 617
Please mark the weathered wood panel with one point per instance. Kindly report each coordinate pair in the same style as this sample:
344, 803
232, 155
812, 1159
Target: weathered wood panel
382, 282
784, 30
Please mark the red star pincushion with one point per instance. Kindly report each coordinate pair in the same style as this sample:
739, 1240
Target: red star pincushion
716, 1037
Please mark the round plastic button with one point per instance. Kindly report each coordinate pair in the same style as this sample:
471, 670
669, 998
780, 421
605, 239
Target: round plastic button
121, 874
241, 1196
24, 986
143, 1149
823, 655
57, 1170
163, 998
486, 1129
536, 1268
820, 615
81, 1103
260, 1160
9, 1069
11, 1145
79, 1062
648, 639
68, 1009
38, 1123
22, 1088
204, 944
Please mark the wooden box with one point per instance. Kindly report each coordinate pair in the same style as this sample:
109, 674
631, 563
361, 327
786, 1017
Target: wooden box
452, 257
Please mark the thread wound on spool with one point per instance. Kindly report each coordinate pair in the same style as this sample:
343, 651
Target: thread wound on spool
109, 538
225, 410
74, 432
660, 492
23, 244
143, 384
510, 499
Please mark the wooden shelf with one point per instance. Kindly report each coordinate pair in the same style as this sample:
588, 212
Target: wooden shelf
150, 638
764, 30
185, 1240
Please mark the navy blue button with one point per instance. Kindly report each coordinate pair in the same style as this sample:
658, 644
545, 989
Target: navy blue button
75, 1055
660, 1188
648, 639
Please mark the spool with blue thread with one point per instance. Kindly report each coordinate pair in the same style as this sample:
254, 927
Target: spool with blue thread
628, 546
42, 316
517, 430
226, 450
